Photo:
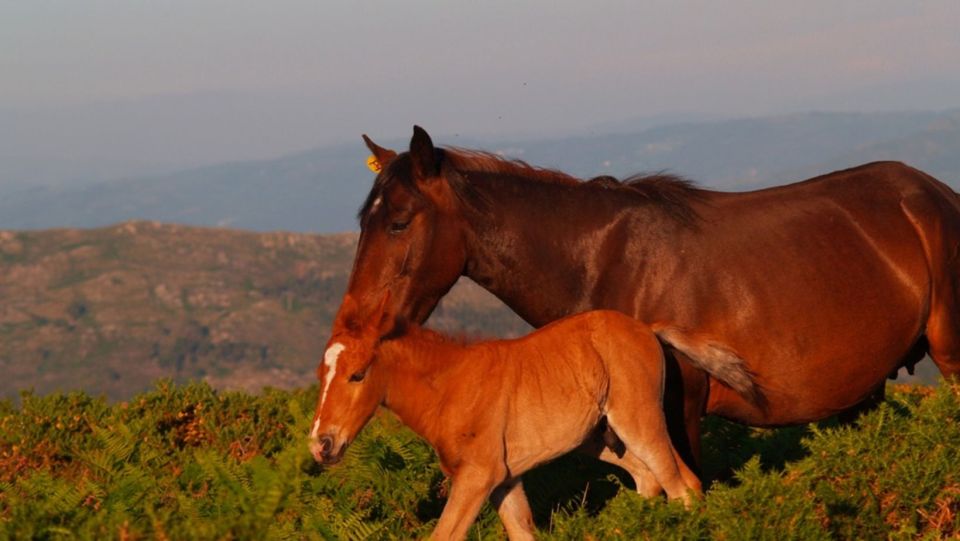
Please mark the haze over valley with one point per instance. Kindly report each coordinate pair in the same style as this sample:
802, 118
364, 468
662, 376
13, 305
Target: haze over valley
319, 190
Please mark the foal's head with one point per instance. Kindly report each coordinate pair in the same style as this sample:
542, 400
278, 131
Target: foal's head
349, 390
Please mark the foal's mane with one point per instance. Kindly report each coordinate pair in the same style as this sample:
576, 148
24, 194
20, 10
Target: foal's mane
430, 348
668, 192
420, 333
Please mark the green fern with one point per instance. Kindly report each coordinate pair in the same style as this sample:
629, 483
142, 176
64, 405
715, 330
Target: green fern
96, 470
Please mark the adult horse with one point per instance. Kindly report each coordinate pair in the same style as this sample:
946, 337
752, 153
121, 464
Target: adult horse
823, 288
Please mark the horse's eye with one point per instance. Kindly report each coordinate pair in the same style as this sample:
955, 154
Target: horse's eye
396, 227
358, 376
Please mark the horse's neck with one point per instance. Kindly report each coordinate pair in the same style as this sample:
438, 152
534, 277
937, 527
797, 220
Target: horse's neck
416, 369
535, 251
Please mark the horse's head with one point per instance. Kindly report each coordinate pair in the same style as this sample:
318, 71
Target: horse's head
350, 390
412, 240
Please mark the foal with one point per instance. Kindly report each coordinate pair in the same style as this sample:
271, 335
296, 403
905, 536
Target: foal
494, 410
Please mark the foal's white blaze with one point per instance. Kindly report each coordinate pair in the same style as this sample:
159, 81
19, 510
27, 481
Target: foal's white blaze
329, 359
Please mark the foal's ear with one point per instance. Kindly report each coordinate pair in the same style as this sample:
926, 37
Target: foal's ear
379, 319
426, 161
383, 155
346, 318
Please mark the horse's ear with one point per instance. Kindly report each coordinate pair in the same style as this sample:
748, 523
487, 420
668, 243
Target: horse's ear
426, 162
383, 155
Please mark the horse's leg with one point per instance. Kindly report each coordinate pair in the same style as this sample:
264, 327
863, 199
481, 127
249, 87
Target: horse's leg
943, 328
511, 504
936, 224
470, 486
647, 485
684, 403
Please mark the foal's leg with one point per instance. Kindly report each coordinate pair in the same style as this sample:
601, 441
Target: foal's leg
514, 509
647, 485
470, 486
690, 478
644, 433
634, 407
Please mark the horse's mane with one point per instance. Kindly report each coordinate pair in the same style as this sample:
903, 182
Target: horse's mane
479, 161
671, 193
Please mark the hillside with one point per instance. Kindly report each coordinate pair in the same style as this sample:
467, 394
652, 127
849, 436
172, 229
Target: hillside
110, 310
306, 191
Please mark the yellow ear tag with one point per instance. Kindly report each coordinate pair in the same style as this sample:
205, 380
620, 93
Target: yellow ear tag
373, 163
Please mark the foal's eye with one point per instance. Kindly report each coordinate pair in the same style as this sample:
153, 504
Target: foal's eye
397, 227
358, 376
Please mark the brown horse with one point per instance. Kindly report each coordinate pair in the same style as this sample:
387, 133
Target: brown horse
823, 288
494, 410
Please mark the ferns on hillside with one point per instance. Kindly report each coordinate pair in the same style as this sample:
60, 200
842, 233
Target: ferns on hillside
191, 463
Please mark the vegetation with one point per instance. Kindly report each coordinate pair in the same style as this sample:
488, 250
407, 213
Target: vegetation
188, 462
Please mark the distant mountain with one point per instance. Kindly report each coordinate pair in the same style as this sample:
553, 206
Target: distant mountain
110, 310
319, 190
934, 149
738, 153
309, 191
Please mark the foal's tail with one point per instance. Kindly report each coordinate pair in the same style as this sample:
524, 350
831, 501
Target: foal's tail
716, 359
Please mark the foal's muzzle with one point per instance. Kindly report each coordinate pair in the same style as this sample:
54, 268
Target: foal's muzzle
322, 449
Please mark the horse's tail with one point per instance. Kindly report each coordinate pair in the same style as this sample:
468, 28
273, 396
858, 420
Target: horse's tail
715, 359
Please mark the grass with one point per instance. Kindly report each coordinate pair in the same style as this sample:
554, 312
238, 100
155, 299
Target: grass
187, 462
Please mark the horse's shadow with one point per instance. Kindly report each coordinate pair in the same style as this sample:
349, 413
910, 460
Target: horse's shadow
577, 481
727, 446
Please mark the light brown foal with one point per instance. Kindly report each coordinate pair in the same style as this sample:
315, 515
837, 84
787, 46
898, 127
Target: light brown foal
494, 410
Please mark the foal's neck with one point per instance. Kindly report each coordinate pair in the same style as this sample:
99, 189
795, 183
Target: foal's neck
418, 369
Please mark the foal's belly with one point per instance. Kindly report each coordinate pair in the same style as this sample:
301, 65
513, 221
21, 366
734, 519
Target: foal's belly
540, 432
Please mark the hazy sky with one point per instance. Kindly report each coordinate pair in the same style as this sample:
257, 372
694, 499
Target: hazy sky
155, 84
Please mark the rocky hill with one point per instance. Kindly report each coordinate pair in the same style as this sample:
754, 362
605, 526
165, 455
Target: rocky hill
110, 310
